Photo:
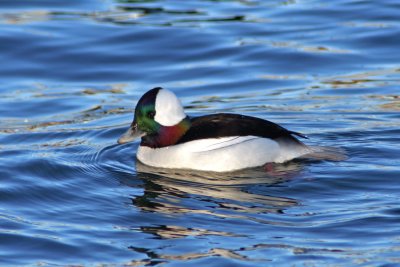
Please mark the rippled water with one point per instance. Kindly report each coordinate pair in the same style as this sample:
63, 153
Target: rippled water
72, 72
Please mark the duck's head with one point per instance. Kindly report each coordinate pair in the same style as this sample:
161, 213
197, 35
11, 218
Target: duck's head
159, 119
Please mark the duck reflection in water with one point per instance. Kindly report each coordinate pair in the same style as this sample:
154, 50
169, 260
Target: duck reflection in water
180, 191
236, 196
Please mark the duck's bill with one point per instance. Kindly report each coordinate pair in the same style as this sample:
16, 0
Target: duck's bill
131, 134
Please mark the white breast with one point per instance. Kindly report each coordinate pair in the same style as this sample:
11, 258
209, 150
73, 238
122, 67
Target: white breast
220, 154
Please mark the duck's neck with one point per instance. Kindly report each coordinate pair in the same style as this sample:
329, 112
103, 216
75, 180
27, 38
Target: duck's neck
166, 135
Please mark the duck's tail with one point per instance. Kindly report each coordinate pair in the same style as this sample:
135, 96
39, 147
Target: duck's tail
298, 134
326, 153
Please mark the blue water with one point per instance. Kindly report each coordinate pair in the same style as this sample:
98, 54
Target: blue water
72, 71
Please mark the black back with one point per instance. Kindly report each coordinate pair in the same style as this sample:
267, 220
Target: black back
225, 125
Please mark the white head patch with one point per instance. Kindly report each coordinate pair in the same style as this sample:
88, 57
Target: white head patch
169, 110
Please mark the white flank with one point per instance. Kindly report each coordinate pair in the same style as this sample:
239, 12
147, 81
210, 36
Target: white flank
220, 154
169, 110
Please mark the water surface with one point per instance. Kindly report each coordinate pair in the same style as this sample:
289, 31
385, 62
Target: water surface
72, 72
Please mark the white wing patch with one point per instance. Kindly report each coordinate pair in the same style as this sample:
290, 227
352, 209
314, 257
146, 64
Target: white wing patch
207, 145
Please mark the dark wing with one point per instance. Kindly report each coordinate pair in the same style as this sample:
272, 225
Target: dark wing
224, 125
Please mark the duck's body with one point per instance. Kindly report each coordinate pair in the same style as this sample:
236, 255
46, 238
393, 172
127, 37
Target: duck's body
220, 155
217, 142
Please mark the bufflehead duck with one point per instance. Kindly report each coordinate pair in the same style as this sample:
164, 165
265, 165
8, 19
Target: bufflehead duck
216, 142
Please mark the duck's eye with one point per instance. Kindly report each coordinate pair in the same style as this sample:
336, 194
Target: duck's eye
151, 114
